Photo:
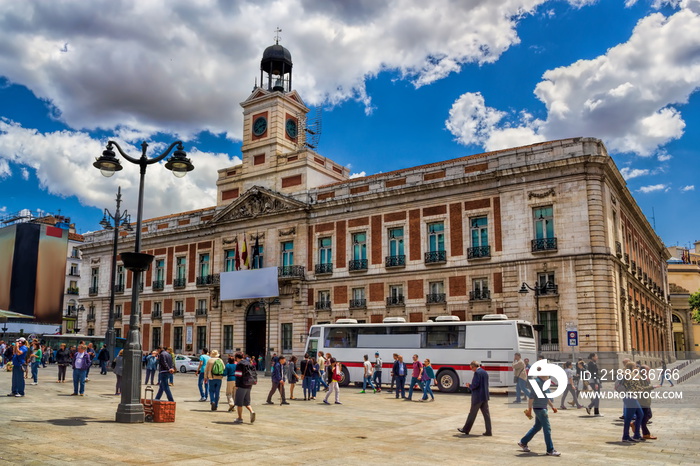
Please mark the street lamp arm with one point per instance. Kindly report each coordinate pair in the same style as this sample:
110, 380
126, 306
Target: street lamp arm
143, 158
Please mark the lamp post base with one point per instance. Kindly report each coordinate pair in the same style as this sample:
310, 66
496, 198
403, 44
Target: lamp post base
130, 413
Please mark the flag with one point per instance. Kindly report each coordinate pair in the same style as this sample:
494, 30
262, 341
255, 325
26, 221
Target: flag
244, 252
256, 252
238, 257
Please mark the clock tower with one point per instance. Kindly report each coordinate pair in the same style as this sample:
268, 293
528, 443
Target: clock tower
274, 151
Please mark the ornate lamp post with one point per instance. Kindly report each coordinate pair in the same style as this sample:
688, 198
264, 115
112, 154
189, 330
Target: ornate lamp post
120, 219
544, 289
268, 351
130, 409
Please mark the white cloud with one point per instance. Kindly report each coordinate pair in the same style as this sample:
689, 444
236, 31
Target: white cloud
629, 3
653, 188
625, 97
690, 187
3, 209
63, 164
629, 173
663, 156
358, 175
5, 170
25, 173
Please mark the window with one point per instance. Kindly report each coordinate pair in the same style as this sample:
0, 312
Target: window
118, 311
478, 317
341, 337
286, 338
287, 253
358, 293
118, 332
229, 260
157, 311
436, 287
204, 265
359, 246
480, 231
201, 338
544, 222
395, 295
549, 337
228, 338
324, 296
181, 268
156, 337
74, 269
91, 332
546, 283
396, 242
177, 339
94, 279
524, 331
258, 259
160, 270
120, 278
480, 289
445, 337
325, 250
358, 298
436, 237
179, 309
201, 307
436, 292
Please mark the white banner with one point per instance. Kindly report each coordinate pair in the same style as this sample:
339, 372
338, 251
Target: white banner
247, 284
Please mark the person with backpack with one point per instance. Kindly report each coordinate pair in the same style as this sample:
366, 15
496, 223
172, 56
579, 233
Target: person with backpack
165, 368
246, 377
427, 378
230, 374
307, 376
336, 377
103, 358
213, 374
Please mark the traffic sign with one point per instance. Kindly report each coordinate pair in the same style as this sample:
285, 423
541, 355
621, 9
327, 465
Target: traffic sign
572, 337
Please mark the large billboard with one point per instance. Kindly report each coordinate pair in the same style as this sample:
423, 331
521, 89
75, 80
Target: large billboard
33, 270
249, 284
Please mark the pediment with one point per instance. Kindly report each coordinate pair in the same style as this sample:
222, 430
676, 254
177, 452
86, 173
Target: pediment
258, 202
258, 92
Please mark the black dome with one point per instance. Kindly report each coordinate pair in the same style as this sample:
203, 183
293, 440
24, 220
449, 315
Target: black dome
277, 53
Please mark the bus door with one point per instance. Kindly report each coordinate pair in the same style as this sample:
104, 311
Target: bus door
312, 341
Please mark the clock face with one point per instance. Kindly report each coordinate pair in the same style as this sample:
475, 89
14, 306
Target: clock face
291, 128
259, 126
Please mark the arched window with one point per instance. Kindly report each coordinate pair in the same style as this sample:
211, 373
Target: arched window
676, 319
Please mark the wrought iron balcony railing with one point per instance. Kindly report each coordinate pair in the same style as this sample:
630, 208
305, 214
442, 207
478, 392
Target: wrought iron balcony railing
156, 315
119, 288
205, 280
90, 317
395, 261
479, 252
435, 298
92, 291
179, 313
479, 295
357, 265
73, 291
358, 303
179, 283
436, 257
544, 244
395, 301
201, 312
291, 272
618, 249
323, 269
158, 285
323, 305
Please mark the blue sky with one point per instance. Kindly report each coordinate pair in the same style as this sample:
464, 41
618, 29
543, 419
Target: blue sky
400, 85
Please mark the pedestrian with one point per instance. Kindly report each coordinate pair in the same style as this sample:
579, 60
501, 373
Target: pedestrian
103, 358
19, 360
63, 359
230, 374
118, 369
570, 387
645, 402
367, 378
213, 375
415, 377
479, 387
261, 363
539, 405
44, 355
321, 371
527, 364
580, 384
329, 374
35, 361
151, 367
336, 377
292, 375
427, 378
399, 372
520, 378
665, 373
595, 384
315, 375
278, 378
377, 372
393, 375
165, 368
632, 408
171, 376
81, 364
307, 376
90, 349
3, 347
245, 379
203, 388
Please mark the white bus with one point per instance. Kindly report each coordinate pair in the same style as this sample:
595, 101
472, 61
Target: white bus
449, 343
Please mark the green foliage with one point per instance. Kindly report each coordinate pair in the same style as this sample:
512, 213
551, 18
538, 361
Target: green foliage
694, 302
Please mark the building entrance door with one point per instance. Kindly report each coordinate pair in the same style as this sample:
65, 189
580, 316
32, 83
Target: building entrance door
255, 330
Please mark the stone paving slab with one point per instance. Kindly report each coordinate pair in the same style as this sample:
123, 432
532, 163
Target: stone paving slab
50, 427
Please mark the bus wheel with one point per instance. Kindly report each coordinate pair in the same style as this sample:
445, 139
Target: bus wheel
345, 380
447, 381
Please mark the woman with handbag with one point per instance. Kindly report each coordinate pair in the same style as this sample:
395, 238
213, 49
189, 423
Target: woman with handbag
292, 376
336, 377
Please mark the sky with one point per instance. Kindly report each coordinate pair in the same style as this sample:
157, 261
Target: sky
399, 83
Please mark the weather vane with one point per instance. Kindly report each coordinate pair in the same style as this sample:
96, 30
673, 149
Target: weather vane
277, 35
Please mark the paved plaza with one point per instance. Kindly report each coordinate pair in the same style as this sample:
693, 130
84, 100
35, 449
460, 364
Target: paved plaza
48, 426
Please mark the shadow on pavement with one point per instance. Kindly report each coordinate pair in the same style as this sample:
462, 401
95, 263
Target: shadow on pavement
70, 422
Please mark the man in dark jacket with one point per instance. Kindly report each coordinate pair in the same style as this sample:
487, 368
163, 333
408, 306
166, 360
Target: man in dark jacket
165, 368
592, 368
103, 357
277, 380
480, 399
244, 383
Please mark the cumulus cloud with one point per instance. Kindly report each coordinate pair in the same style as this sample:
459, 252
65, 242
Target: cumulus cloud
25, 173
663, 156
362, 174
629, 173
653, 188
690, 187
5, 170
63, 164
627, 97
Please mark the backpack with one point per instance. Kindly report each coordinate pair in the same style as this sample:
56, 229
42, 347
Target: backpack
218, 367
249, 376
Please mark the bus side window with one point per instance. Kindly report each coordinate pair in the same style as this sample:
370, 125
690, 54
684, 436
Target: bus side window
342, 338
444, 337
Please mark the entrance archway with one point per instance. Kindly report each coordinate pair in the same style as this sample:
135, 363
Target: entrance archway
678, 335
255, 322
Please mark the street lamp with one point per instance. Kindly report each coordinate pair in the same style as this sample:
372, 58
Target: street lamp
268, 352
548, 287
130, 409
120, 219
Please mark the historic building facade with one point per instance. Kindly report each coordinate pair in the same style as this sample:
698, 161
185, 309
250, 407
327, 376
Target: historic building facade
457, 237
684, 280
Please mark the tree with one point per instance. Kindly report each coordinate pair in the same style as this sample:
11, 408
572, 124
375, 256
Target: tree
694, 302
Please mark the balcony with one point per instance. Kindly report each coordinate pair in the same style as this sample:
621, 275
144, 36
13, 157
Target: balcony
549, 290
74, 273
436, 257
75, 255
119, 288
179, 283
71, 312
156, 315
93, 291
117, 315
479, 252
75, 290
323, 305
395, 301
201, 312
634, 268
179, 313
436, 298
618, 249
358, 303
480, 295
91, 317
627, 259
549, 346
291, 272
205, 280
357, 265
323, 269
395, 261
645, 278
158, 285
544, 244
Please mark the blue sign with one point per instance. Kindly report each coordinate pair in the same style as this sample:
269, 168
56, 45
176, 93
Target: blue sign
572, 337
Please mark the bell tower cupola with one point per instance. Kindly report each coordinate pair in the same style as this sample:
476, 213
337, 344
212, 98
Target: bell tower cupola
276, 67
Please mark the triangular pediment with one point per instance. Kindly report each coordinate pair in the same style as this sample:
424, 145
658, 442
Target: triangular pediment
258, 202
258, 92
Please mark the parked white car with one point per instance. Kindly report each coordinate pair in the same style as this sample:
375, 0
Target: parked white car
185, 363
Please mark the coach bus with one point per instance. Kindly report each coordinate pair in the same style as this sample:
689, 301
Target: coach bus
449, 343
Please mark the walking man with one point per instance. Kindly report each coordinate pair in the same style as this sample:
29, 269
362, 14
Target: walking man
244, 383
367, 379
103, 357
377, 372
415, 376
480, 399
203, 387
399, 372
165, 368
393, 373
322, 371
520, 376
541, 418
19, 359
278, 378
592, 368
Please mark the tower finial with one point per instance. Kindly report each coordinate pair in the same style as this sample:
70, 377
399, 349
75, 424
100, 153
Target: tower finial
277, 35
